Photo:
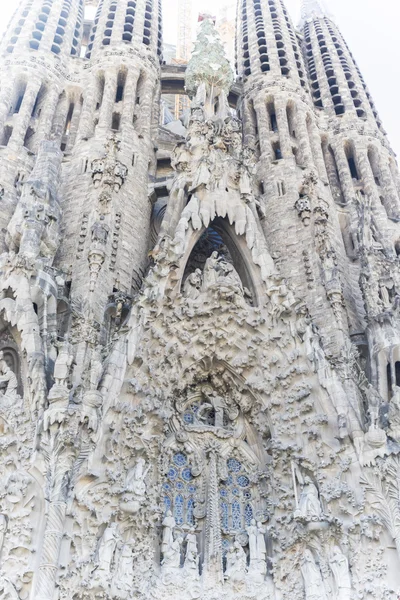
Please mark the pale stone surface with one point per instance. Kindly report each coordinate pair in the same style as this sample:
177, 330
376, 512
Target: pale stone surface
199, 327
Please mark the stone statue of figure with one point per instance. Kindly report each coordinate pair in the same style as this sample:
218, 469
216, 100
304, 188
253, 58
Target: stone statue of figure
341, 573
169, 525
310, 505
172, 556
8, 379
192, 285
258, 548
100, 232
3, 530
135, 480
236, 563
394, 409
106, 548
210, 273
374, 403
96, 368
313, 584
192, 555
63, 363
123, 579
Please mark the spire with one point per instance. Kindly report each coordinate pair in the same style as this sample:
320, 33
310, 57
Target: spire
208, 64
310, 8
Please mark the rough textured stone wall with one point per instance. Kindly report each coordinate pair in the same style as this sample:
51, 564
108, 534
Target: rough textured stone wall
199, 323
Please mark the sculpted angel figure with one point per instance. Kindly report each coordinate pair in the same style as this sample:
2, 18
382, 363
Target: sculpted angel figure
341, 573
314, 586
169, 525
310, 505
63, 364
8, 379
135, 481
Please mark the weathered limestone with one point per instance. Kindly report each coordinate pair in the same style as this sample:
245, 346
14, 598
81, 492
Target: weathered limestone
199, 334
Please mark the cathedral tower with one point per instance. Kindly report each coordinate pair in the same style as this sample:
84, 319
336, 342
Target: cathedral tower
199, 322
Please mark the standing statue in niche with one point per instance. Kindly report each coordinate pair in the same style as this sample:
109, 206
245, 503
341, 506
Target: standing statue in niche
192, 555
375, 402
309, 504
313, 584
236, 563
123, 578
258, 549
172, 556
341, 573
63, 363
8, 379
169, 525
135, 480
3, 530
394, 412
106, 550
192, 285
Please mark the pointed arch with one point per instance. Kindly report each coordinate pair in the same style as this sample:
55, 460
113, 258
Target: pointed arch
243, 262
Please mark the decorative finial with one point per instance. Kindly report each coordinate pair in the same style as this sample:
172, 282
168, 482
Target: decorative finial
208, 65
313, 8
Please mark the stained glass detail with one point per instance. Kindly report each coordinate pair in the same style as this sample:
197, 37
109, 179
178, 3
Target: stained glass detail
236, 508
183, 503
187, 475
224, 515
167, 504
178, 509
243, 481
234, 465
172, 474
180, 460
248, 514
236, 516
190, 512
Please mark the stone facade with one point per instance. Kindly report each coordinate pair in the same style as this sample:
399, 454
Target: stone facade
199, 333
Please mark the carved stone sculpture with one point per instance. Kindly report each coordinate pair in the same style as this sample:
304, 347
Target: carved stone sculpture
310, 505
313, 584
340, 569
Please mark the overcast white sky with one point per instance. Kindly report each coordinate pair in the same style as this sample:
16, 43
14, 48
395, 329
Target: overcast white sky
371, 28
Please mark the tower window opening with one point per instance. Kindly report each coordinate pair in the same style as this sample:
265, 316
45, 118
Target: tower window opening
281, 188
276, 147
28, 138
7, 135
68, 121
119, 96
273, 122
116, 121
353, 168
20, 99
389, 379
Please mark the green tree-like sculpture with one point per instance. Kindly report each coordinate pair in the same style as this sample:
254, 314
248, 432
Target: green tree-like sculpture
209, 75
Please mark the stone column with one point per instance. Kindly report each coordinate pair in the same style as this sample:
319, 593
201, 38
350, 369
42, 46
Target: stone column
60, 117
25, 114
48, 114
264, 132
86, 124
333, 175
304, 142
316, 149
107, 107
390, 193
5, 98
283, 127
129, 99
346, 181
74, 124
